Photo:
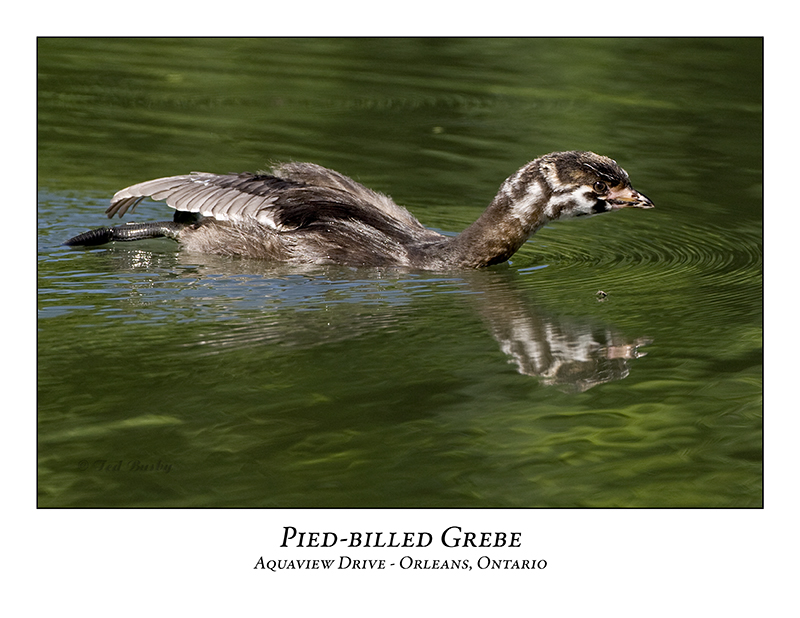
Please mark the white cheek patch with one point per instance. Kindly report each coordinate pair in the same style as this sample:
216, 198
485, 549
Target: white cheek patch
586, 201
576, 203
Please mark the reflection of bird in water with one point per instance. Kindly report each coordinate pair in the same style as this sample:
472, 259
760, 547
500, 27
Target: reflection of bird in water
569, 354
306, 214
572, 353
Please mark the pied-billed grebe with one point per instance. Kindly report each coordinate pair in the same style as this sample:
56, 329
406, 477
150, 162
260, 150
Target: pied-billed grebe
307, 214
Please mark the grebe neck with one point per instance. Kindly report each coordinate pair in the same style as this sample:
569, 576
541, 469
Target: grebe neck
517, 211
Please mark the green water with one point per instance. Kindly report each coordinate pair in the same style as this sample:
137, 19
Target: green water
172, 379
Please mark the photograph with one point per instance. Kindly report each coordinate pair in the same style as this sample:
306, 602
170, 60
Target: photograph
377, 313
358, 272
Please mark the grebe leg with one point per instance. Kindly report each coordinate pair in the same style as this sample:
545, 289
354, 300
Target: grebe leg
126, 232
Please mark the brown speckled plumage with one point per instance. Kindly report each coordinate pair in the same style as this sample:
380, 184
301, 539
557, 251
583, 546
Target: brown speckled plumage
305, 213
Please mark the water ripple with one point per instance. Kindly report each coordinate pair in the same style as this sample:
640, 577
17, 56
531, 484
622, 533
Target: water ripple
722, 265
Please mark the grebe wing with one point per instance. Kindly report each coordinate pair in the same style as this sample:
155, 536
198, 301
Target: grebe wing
323, 177
229, 197
296, 195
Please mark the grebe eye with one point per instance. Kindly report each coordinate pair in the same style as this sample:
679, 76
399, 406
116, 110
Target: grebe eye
600, 186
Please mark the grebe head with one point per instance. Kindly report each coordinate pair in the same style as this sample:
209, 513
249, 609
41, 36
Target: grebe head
585, 184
